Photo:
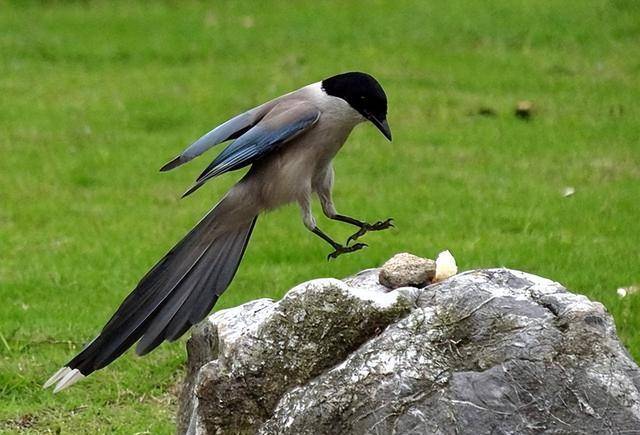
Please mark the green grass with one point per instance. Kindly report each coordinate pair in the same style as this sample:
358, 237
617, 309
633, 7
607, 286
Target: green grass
95, 97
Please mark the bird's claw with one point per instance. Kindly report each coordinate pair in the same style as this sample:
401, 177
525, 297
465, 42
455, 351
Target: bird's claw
380, 225
345, 250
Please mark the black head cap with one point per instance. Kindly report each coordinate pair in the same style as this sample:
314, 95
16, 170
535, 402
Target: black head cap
364, 94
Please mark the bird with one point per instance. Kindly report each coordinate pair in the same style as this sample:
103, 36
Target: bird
289, 144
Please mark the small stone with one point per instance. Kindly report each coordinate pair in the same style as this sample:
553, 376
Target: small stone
626, 291
407, 270
524, 109
568, 191
445, 266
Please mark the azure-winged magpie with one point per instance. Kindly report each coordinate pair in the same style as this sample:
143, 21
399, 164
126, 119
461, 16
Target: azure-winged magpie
289, 142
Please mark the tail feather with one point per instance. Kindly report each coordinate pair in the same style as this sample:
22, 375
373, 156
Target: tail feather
175, 294
172, 303
212, 274
200, 302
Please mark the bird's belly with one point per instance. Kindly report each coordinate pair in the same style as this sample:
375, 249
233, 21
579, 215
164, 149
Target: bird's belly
287, 180
286, 176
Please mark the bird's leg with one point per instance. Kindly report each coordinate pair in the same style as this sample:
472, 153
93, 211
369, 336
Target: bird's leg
364, 226
324, 194
338, 248
310, 223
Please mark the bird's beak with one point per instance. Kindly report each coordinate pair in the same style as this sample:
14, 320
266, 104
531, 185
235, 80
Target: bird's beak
383, 126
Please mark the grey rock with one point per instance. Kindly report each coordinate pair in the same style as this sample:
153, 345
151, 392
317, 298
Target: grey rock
486, 351
407, 270
243, 360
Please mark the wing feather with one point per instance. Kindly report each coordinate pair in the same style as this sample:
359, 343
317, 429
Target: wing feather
231, 129
284, 122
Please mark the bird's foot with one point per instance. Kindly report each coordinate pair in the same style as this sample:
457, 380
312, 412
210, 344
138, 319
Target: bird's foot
345, 250
378, 226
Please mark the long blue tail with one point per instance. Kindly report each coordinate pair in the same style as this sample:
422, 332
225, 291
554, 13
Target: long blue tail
178, 292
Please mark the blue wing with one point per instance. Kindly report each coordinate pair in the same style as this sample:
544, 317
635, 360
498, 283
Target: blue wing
284, 122
232, 129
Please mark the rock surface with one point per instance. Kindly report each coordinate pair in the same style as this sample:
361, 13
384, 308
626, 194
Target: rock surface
486, 351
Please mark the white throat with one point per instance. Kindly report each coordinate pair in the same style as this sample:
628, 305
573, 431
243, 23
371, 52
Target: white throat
332, 107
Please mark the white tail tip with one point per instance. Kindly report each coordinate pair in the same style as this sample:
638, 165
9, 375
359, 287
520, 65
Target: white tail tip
56, 377
69, 379
63, 378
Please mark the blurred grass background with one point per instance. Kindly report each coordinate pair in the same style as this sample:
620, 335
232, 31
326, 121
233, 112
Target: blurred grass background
95, 97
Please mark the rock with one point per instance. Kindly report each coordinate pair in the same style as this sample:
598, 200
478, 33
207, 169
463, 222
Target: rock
568, 191
486, 351
446, 266
524, 109
626, 291
407, 270
243, 360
